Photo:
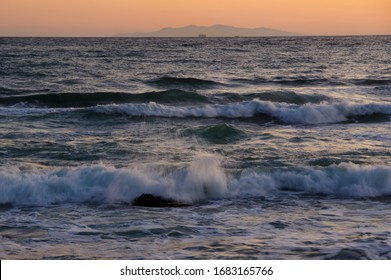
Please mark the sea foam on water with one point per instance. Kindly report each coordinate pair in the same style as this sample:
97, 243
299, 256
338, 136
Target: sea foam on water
202, 180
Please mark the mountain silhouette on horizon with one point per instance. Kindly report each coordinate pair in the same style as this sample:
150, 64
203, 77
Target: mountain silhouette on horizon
217, 30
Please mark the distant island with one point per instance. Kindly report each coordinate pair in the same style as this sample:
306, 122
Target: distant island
210, 31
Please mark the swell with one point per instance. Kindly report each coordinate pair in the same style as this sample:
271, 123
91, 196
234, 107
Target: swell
308, 113
216, 134
307, 81
202, 180
298, 81
9, 91
283, 112
276, 96
79, 100
183, 82
371, 82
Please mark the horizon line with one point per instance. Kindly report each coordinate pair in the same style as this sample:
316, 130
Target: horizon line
155, 37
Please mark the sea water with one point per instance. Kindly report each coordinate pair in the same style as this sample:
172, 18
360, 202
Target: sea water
279, 147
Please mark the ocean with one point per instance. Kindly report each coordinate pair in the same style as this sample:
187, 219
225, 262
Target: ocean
259, 148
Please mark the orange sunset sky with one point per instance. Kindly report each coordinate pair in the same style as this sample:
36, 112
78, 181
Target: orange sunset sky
108, 17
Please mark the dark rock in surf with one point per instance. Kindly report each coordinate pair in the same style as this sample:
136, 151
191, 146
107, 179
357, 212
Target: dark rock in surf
150, 200
5, 206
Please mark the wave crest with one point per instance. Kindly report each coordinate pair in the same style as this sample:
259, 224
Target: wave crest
183, 82
202, 180
308, 113
295, 114
217, 134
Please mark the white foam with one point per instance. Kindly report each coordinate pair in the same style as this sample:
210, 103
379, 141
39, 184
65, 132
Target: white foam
23, 109
202, 180
345, 180
288, 113
205, 178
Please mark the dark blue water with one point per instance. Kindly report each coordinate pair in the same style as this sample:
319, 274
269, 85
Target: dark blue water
280, 147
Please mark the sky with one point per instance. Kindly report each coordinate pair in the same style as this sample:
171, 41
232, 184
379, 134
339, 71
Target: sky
109, 17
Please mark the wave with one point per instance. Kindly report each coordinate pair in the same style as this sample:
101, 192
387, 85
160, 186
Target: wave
371, 82
6, 90
260, 110
298, 81
216, 134
202, 180
307, 81
173, 96
183, 82
286, 113
79, 100
287, 97
10, 91
383, 90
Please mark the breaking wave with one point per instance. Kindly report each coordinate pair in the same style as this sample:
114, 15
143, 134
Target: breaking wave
202, 180
172, 96
275, 96
286, 113
308, 113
